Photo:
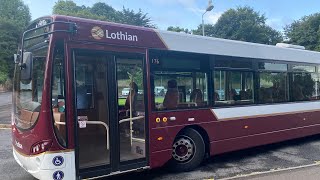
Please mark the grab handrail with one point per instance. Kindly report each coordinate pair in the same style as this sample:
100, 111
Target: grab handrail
131, 119
106, 126
96, 123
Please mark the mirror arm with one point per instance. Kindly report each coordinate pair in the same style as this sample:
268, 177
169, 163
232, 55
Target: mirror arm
22, 65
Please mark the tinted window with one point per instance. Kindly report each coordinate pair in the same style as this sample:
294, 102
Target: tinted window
305, 86
173, 90
58, 95
273, 87
301, 68
233, 87
273, 66
232, 62
84, 83
28, 93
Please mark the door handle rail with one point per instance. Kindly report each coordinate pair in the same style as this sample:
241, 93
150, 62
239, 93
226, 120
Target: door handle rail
131, 119
106, 126
94, 123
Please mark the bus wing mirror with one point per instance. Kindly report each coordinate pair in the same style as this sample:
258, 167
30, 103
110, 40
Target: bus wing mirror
26, 66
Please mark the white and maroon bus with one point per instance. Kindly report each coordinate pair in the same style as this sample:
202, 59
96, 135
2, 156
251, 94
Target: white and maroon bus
94, 99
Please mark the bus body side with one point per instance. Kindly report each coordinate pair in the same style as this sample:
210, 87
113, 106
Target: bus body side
229, 135
222, 128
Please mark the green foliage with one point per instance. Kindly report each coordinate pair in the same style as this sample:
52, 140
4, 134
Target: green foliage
104, 12
178, 29
245, 24
70, 8
208, 30
14, 17
16, 12
305, 32
128, 16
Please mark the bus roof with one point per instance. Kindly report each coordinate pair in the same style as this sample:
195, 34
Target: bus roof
129, 35
217, 46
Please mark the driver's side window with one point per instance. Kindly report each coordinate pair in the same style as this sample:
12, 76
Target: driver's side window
58, 94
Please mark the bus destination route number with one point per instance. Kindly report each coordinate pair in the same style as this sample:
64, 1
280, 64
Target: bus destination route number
155, 61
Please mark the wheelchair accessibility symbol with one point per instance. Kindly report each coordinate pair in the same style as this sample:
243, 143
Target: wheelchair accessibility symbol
58, 160
58, 175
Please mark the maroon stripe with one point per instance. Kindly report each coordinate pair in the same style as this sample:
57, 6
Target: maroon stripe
113, 33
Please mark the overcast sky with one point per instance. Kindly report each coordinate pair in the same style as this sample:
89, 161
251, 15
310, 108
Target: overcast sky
187, 13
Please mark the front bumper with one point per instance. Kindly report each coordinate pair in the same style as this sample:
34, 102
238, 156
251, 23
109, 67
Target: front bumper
41, 166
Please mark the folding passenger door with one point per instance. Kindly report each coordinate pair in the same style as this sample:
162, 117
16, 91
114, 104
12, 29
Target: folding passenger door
110, 112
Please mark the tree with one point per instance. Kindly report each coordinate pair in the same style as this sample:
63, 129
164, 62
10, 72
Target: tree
178, 29
14, 18
104, 12
70, 8
128, 16
15, 12
208, 30
245, 24
305, 32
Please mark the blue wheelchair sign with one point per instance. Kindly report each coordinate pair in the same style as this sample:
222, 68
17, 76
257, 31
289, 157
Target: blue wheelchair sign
58, 160
58, 175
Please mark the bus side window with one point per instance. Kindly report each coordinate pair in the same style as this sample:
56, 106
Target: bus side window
180, 90
233, 87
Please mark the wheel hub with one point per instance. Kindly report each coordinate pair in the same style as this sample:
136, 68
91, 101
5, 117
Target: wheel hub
182, 149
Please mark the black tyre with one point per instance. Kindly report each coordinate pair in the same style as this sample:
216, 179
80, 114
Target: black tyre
188, 151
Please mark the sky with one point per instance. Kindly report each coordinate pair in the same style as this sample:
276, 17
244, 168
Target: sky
188, 13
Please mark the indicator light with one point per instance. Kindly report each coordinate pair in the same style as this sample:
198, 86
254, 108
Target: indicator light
160, 138
158, 120
246, 127
165, 119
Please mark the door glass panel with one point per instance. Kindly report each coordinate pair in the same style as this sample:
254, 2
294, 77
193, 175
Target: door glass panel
131, 109
92, 110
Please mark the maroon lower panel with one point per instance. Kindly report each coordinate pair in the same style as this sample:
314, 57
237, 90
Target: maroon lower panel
233, 144
159, 158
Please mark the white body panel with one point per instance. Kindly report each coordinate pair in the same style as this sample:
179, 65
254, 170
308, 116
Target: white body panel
42, 167
208, 45
264, 110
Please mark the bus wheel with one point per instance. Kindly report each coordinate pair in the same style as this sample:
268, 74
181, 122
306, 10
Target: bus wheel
188, 151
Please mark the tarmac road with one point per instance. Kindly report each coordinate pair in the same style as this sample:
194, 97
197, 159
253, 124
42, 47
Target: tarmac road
5, 107
261, 159
272, 157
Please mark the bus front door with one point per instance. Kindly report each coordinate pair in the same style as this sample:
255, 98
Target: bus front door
111, 132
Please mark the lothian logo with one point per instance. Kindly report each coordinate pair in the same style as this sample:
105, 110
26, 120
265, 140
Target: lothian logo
97, 33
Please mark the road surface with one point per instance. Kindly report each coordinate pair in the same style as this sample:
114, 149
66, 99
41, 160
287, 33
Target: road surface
272, 157
238, 164
5, 107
